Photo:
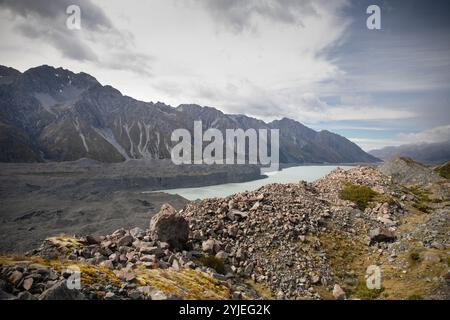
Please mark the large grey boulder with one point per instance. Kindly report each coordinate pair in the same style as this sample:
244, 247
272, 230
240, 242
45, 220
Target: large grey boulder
60, 291
168, 226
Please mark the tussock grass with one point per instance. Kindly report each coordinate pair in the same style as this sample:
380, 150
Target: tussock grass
361, 195
212, 262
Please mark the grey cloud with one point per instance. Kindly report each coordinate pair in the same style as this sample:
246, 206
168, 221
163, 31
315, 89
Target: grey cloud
238, 14
70, 46
93, 16
136, 62
46, 20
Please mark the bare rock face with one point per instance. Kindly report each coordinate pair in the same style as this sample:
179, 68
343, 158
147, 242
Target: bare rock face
168, 226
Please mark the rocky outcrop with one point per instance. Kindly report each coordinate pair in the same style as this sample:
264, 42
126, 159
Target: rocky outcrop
168, 226
408, 172
54, 114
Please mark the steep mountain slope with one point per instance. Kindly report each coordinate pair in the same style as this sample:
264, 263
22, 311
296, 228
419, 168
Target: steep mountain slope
54, 114
426, 152
299, 143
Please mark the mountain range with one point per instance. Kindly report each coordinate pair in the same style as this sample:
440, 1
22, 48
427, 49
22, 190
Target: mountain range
424, 152
53, 114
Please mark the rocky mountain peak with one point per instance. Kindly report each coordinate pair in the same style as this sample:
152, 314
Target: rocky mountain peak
8, 74
56, 82
65, 116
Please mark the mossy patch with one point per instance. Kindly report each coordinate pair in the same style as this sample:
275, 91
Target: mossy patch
186, 284
363, 292
93, 274
361, 195
64, 241
212, 262
415, 257
90, 274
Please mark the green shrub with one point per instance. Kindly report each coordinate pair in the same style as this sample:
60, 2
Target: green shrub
212, 262
362, 292
420, 194
422, 207
415, 297
361, 195
415, 256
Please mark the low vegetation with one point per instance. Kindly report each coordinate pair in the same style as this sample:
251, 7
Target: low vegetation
185, 284
422, 199
212, 262
414, 256
420, 194
362, 292
444, 170
361, 195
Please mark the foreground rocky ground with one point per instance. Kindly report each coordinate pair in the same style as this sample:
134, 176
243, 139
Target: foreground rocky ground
290, 241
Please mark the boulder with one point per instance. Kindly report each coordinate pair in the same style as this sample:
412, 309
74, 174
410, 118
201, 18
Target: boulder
222, 255
15, 277
125, 241
27, 283
157, 295
111, 296
168, 226
431, 257
208, 246
60, 291
381, 235
90, 239
137, 233
107, 264
338, 293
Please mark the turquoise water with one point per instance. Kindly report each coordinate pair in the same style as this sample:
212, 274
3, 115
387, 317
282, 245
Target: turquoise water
289, 175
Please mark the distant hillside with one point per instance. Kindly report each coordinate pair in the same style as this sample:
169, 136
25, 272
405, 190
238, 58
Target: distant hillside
426, 152
408, 172
54, 114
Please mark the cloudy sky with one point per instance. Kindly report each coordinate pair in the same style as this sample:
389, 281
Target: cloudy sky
311, 60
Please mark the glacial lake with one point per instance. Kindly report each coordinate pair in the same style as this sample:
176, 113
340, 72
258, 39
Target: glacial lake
288, 175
